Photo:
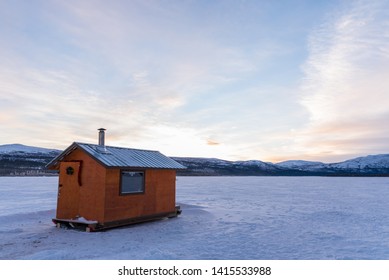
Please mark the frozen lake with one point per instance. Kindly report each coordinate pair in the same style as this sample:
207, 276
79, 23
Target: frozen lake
223, 218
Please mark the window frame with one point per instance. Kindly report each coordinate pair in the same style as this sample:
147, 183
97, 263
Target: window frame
122, 193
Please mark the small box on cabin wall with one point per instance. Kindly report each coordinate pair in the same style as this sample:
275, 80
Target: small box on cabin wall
102, 187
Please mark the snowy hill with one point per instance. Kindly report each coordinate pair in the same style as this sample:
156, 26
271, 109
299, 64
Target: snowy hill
21, 160
217, 167
19, 148
301, 164
364, 164
368, 165
258, 164
375, 165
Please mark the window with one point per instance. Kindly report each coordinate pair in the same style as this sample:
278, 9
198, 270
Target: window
132, 182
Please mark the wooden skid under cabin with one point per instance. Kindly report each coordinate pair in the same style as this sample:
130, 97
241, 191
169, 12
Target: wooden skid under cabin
112, 186
89, 226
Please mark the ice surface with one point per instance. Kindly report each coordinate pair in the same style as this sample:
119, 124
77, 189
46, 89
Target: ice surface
222, 218
27, 194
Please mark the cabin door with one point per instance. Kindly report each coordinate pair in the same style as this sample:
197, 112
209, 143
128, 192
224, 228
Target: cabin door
68, 190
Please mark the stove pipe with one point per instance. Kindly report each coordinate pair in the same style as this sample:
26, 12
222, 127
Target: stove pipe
101, 136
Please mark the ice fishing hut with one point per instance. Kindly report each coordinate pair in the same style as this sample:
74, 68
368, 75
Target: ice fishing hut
102, 186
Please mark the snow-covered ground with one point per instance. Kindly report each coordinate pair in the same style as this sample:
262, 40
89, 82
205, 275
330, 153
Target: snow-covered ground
223, 218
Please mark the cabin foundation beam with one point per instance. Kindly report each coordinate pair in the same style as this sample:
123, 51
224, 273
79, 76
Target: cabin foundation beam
95, 226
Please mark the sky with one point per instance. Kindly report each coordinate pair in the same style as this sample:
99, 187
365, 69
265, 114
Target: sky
235, 80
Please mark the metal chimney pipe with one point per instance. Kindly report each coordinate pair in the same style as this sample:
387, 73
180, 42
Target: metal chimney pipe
101, 136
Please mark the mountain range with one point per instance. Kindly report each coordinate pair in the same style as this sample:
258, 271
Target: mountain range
373, 165
22, 160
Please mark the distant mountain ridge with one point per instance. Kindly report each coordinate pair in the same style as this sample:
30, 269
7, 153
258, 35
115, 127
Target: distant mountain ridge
372, 165
299, 164
365, 165
19, 148
22, 160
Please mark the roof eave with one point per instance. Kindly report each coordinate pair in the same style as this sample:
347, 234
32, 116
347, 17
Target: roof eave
54, 163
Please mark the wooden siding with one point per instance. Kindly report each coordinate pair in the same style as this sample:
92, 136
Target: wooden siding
91, 194
159, 195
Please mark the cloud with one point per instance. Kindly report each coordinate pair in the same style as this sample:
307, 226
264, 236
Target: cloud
162, 71
345, 85
212, 142
176, 75
99, 78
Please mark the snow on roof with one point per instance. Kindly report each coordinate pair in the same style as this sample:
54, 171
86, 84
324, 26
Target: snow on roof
120, 157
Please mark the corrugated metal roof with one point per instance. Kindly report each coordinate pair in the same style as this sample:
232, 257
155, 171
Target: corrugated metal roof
122, 157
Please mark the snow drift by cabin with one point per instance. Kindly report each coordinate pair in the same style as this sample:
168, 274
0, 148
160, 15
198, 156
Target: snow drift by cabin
102, 186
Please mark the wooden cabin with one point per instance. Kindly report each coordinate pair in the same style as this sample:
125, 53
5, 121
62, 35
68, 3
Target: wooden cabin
102, 186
